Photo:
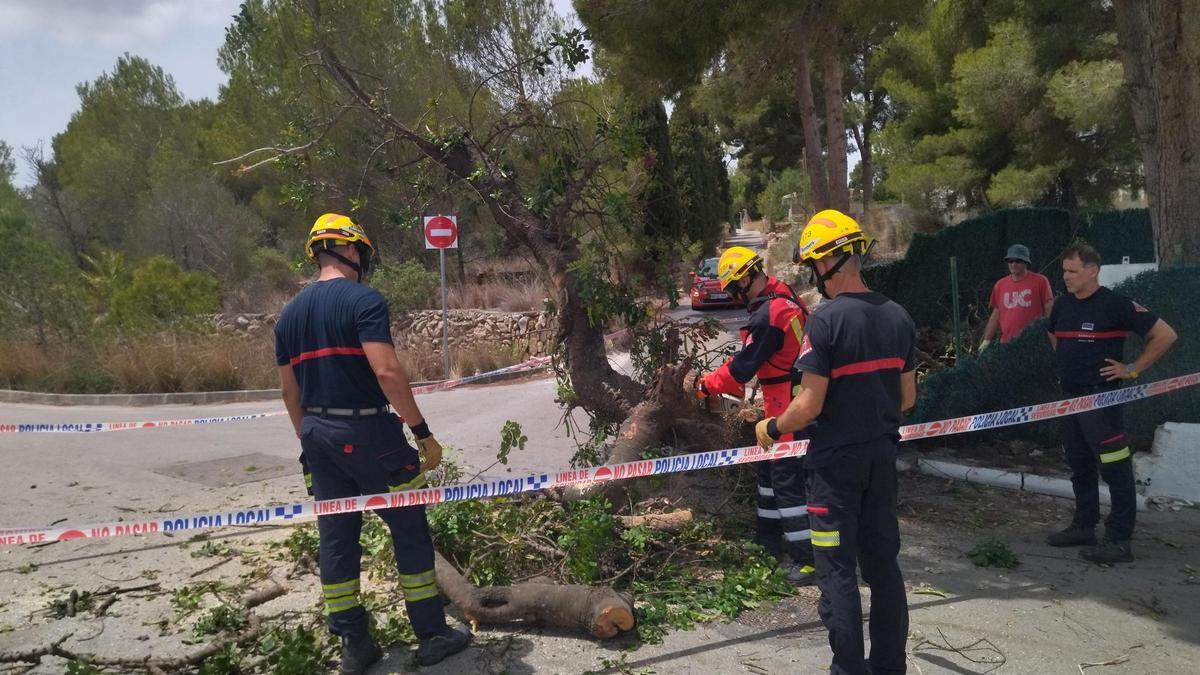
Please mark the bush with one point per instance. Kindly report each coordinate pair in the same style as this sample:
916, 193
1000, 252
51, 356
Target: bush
270, 281
770, 200
161, 294
43, 294
407, 285
1021, 372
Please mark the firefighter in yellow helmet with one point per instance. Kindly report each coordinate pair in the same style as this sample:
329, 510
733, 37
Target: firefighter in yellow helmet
770, 342
341, 381
858, 375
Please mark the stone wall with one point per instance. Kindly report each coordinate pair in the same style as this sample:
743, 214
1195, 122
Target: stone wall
529, 332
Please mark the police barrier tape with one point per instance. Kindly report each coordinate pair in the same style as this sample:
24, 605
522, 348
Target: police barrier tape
90, 427
650, 467
93, 427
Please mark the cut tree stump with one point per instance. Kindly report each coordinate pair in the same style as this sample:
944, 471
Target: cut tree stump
598, 611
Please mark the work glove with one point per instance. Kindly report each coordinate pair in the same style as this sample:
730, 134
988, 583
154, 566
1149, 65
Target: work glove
767, 433
428, 446
984, 345
431, 452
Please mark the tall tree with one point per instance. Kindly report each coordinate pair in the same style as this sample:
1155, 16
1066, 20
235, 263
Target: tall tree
671, 45
10, 198
1011, 103
658, 197
700, 173
1160, 50
103, 156
536, 157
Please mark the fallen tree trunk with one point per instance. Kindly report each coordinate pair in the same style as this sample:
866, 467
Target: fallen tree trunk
672, 522
666, 409
601, 612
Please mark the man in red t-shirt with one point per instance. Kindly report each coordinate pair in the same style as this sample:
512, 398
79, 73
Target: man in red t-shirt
1018, 299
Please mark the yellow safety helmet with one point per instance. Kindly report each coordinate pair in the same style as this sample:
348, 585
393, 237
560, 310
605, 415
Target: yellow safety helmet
334, 229
735, 263
831, 232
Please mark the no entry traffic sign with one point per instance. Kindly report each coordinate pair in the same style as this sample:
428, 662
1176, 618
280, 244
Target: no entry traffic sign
441, 232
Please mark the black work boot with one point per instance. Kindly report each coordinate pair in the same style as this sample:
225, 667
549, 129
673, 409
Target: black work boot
1075, 535
449, 642
358, 653
1108, 553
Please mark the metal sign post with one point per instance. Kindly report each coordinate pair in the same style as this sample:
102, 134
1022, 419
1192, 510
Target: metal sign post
954, 306
445, 320
441, 232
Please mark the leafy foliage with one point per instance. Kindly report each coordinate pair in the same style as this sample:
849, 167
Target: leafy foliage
407, 285
1008, 104
161, 294
993, 553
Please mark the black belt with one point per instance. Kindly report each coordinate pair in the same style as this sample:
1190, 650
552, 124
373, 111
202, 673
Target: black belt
793, 377
324, 411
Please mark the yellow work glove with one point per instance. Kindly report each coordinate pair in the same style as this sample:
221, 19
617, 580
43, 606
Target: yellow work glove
767, 433
431, 452
984, 345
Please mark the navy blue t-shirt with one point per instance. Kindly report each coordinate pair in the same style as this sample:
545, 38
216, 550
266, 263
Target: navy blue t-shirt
1092, 330
321, 333
862, 342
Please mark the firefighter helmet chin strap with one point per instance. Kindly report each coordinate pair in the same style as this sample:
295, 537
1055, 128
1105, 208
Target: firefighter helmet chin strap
820, 279
742, 294
360, 270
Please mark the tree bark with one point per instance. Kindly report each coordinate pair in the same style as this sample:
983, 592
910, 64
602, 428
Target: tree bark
673, 522
645, 427
599, 611
835, 127
811, 127
1160, 51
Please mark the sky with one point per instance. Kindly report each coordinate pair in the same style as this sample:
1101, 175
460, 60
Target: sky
49, 46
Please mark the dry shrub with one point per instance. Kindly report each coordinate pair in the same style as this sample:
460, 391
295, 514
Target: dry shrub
166, 362
483, 358
514, 295
421, 363
213, 362
160, 363
424, 363
21, 363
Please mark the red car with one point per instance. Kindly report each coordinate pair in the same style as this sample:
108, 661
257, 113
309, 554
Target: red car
706, 290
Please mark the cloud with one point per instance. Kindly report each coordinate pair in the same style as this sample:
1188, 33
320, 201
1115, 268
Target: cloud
109, 23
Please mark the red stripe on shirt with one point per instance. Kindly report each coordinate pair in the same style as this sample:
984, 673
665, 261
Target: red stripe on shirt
868, 367
1091, 335
328, 351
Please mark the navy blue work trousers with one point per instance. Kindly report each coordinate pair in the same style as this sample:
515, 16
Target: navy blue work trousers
369, 455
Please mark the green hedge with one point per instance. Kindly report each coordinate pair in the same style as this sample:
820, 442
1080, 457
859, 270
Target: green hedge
1021, 372
921, 281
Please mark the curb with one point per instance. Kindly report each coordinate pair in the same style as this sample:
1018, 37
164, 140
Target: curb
1003, 478
189, 397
